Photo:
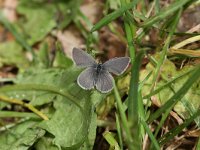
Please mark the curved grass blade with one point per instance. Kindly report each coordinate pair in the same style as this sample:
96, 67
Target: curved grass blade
153, 139
114, 15
119, 131
164, 13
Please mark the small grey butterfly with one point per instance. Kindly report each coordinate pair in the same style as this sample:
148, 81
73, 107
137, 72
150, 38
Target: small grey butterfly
97, 74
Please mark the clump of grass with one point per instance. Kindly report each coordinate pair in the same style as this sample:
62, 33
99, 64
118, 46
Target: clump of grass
136, 125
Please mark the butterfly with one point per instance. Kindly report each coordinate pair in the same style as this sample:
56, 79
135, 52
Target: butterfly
98, 74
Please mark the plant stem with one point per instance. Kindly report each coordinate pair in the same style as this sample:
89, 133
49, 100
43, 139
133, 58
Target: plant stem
29, 106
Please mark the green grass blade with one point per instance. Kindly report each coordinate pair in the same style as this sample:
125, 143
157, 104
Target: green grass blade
165, 48
178, 96
164, 13
168, 136
198, 144
112, 16
18, 37
119, 131
162, 121
144, 80
143, 18
164, 52
123, 118
130, 30
133, 104
133, 92
153, 139
157, 6
18, 114
190, 108
139, 89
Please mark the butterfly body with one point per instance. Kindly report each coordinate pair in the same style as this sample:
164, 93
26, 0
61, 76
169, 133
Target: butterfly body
97, 74
98, 68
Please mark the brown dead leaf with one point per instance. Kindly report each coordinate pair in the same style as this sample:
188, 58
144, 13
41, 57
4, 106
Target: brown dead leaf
7, 72
111, 43
194, 29
180, 144
156, 102
69, 39
189, 19
9, 10
1, 3
92, 10
193, 133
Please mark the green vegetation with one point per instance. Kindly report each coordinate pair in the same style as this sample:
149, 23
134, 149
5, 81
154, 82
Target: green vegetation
153, 103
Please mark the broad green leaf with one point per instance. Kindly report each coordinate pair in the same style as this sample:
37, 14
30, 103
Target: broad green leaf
70, 126
20, 137
11, 53
61, 60
45, 143
178, 95
39, 19
67, 123
169, 72
88, 145
42, 17
51, 77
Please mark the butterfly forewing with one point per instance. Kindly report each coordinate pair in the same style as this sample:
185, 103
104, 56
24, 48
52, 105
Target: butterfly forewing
86, 79
104, 82
81, 58
117, 65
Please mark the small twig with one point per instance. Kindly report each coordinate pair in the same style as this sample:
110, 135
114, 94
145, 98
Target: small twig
185, 42
195, 53
194, 29
29, 106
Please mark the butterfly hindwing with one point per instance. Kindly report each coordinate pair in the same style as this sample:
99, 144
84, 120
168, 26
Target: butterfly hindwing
86, 79
104, 82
